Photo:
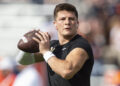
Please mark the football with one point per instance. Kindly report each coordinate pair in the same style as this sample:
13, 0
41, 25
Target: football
27, 44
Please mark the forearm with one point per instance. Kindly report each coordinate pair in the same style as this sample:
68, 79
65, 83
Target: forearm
62, 67
24, 58
38, 57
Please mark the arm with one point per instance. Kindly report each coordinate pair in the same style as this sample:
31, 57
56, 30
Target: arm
71, 65
28, 58
38, 57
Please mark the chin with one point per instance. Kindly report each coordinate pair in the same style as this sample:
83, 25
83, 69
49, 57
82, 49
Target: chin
68, 36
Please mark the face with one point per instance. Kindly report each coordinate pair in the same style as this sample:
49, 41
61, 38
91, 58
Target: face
66, 23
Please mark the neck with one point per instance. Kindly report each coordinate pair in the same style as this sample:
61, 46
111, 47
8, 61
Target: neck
65, 39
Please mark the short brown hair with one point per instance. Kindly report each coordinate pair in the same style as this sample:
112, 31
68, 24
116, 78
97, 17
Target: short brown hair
65, 6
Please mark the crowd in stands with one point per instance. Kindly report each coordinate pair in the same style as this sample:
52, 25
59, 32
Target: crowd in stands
14, 74
101, 26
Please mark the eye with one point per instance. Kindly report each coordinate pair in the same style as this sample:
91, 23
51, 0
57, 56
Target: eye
62, 18
72, 18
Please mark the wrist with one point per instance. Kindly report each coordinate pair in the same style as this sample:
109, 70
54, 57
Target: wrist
43, 52
47, 55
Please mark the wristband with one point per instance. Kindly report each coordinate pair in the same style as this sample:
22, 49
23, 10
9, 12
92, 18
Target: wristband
48, 55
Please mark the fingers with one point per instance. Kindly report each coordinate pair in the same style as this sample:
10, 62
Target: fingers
41, 36
36, 39
44, 37
48, 35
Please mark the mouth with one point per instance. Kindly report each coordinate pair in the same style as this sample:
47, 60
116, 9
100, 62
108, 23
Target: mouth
67, 28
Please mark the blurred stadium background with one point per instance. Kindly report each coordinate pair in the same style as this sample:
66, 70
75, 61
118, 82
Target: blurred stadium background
99, 24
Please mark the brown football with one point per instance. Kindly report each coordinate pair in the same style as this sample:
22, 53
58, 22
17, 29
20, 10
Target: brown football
27, 44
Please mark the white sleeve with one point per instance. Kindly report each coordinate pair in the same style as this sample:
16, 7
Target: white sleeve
25, 58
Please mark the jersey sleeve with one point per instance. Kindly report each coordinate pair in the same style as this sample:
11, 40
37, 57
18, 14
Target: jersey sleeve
83, 43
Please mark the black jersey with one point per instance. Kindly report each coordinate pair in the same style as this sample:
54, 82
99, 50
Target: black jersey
82, 77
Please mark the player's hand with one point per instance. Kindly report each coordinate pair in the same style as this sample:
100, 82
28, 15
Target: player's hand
43, 39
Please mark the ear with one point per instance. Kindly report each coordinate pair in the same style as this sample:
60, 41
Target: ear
55, 24
77, 23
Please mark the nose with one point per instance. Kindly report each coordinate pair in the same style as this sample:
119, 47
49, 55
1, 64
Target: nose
67, 21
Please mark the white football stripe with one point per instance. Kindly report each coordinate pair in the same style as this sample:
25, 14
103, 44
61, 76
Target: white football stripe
24, 39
